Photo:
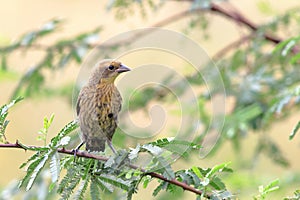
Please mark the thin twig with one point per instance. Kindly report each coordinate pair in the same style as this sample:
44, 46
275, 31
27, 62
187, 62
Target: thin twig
232, 14
85, 154
236, 16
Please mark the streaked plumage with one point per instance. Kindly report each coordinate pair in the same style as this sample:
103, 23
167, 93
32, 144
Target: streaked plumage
98, 105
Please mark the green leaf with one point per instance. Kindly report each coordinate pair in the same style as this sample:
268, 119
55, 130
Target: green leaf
217, 184
31, 37
109, 162
33, 170
163, 185
164, 166
182, 174
46, 125
51, 187
271, 186
295, 59
82, 188
64, 141
94, 190
155, 150
28, 39
146, 181
295, 197
263, 191
64, 60
49, 27
113, 180
265, 7
106, 187
134, 152
54, 167
4, 108
294, 131
217, 168
31, 159
71, 126
195, 178
179, 147
197, 172
36, 171
70, 181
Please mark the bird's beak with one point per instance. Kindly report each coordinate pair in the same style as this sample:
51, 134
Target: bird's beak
123, 68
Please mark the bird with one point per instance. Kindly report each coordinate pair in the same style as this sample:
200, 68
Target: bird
98, 105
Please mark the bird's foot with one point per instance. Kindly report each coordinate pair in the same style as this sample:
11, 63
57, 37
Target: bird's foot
76, 150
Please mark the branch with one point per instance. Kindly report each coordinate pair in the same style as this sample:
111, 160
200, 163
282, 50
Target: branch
237, 17
85, 154
232, 14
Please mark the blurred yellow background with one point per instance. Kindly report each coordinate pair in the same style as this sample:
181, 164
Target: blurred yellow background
19, 16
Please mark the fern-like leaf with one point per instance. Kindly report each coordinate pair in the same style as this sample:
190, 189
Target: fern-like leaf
162, 165
71, 126
163, 185
36, 171
82, 188
33, 170
54, 167
94, 189
103, 185
115, 181
74, 179
31, 159
70, 181
3, 115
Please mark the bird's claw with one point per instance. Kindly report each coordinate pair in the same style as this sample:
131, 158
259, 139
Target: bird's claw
76, 150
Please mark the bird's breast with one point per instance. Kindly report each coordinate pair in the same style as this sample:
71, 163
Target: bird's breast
107, 106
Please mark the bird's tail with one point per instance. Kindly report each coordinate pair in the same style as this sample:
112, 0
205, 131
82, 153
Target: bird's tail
95, 144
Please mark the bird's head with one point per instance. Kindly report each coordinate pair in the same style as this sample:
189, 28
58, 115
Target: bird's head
107, 72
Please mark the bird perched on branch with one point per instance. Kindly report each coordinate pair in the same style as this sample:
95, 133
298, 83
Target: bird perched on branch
98, 105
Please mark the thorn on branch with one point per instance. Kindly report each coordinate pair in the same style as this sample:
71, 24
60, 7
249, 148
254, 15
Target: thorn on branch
19, 146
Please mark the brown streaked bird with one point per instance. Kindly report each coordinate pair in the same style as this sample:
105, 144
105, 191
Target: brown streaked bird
98, 106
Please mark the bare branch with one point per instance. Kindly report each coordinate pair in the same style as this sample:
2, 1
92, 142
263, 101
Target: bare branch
232, 14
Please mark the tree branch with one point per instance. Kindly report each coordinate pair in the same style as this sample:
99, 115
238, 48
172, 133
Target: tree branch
237, 17
232, 14
85, 154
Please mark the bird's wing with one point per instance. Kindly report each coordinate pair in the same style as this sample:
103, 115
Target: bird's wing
79, 99
118, 100
84, 97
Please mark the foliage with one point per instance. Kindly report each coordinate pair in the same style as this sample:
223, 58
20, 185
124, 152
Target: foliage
295, 197
56, 57
116, 171
264, 191
44, 131
260, 73
3, 121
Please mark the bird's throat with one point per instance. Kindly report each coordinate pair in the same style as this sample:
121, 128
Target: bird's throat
106, 87
107, 81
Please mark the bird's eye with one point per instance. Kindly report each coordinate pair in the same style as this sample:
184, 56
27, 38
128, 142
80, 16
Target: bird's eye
111, 67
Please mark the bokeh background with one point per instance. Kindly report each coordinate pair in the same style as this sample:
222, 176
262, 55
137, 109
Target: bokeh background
19, 17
